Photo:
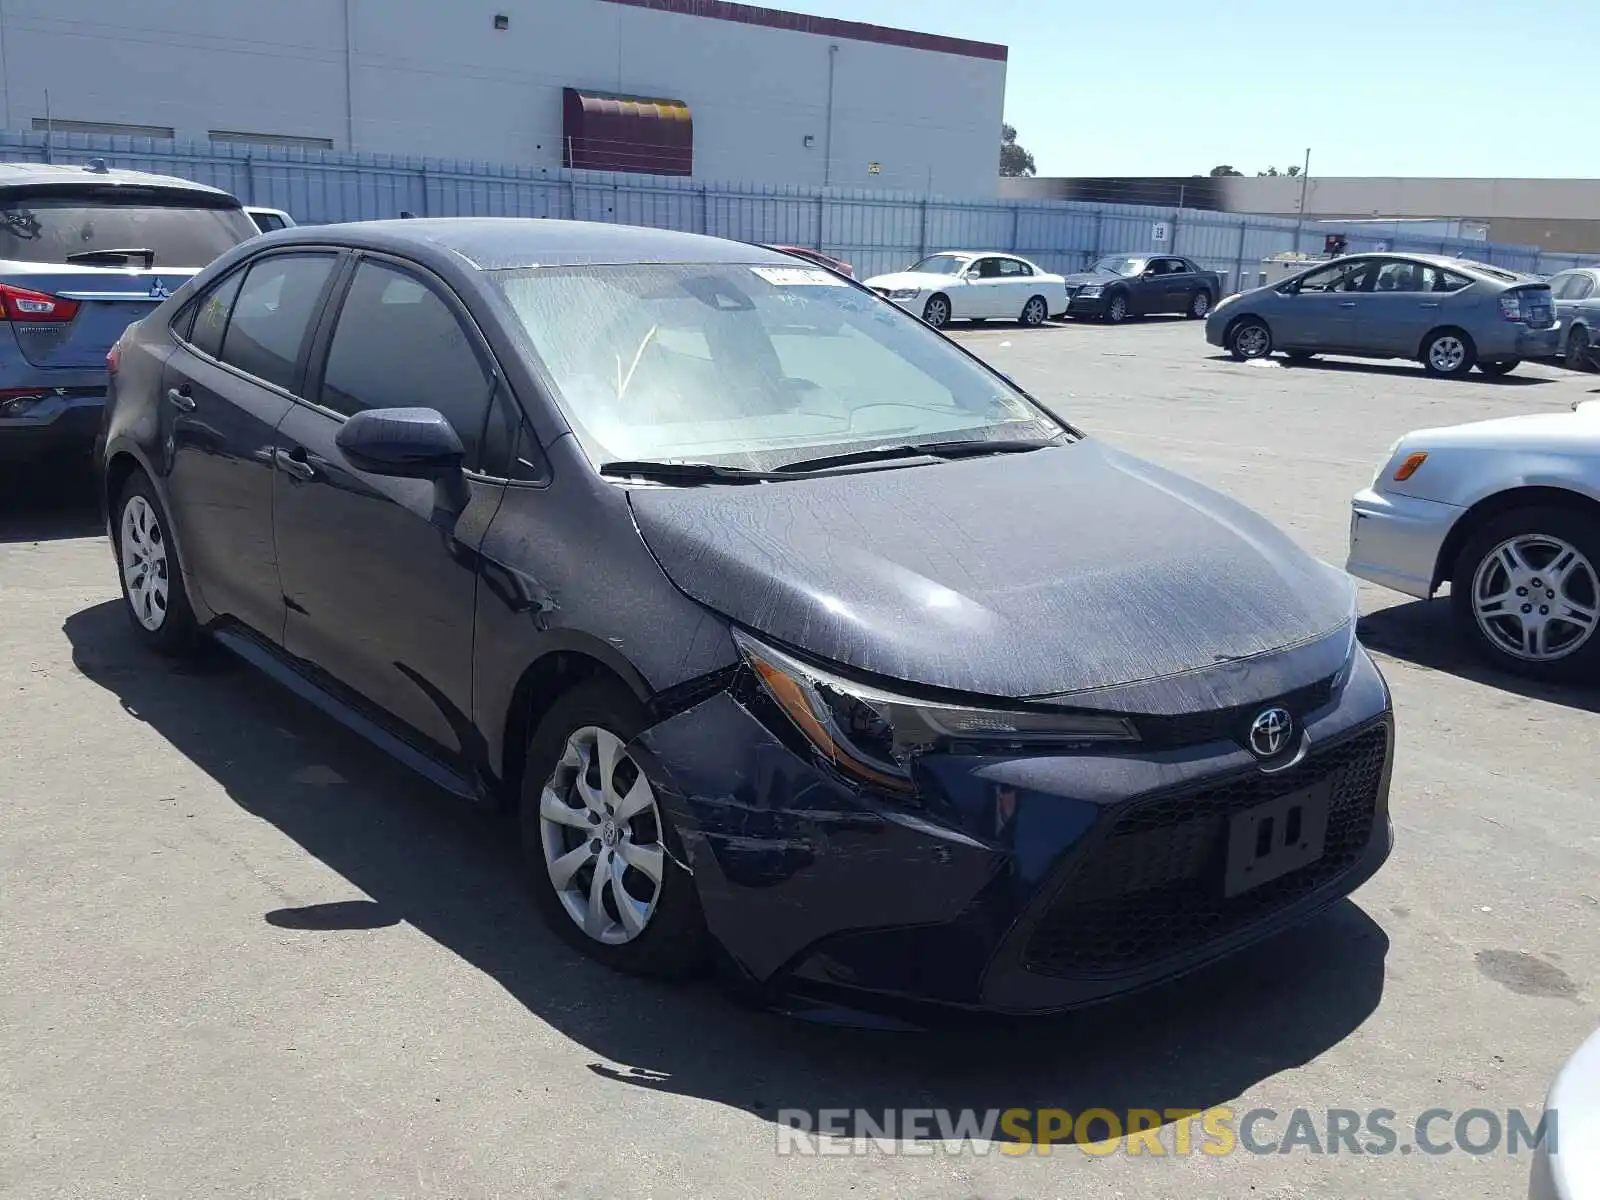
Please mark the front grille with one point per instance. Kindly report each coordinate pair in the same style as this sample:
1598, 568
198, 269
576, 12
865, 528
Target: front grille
1152, 886
1195, 729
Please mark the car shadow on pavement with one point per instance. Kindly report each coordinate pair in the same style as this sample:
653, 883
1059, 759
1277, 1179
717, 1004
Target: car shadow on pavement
1422, 633
1365, 367
48, 502
450, 872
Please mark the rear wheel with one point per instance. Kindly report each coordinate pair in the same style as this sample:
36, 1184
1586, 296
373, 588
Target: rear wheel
601, 855
1526, 592
1035, 312
1577, 353
1448, 353
1199, 305
1249, 338
153, 592
1496, 369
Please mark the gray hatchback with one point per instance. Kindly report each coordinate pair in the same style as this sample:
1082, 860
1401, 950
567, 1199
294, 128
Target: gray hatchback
85, 251
1448, 313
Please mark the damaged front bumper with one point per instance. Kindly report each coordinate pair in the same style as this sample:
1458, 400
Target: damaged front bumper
1017, 884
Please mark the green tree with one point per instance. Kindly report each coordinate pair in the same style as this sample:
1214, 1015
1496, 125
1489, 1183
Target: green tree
1015, 162
1224, 172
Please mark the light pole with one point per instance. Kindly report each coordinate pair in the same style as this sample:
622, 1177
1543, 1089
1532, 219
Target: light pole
1305, 178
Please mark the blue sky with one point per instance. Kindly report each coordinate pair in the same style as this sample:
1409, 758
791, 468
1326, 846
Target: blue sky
1373, 87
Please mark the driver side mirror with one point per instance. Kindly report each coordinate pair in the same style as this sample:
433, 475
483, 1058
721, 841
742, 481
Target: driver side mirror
402, 443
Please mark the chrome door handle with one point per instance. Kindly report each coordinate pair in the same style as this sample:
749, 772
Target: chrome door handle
1429, 304
289, 464
181, 399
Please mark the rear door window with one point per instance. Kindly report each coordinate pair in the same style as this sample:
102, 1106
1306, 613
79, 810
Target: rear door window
1582, 289
61, 225
211, 315
273, 313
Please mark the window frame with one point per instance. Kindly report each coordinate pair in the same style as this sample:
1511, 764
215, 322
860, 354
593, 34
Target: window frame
501, 394
186, 315
1587, 281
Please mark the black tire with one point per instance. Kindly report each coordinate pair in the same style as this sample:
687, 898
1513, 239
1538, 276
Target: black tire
1577, 357
1249, 338
674, 943
1199, 306
1577, 530
1118, 308
936, 311
1496, 369
1035, 312
167, 625
1299, 356
1448, 353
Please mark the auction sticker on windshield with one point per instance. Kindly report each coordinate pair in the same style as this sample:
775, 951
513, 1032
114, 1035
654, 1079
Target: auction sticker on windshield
799, 277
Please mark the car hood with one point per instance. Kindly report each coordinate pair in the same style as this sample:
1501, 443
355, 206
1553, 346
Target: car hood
910, 279
1081, 277
1053, 571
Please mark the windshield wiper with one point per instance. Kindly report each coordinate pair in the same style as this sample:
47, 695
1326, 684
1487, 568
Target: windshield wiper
685, 472
117, 256
966, 448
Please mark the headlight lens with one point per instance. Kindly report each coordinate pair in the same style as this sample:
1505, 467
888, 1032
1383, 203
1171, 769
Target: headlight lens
904, 293
1092, 289
1225, 301
873, 734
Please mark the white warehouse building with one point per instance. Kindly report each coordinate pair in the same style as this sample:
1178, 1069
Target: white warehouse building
715, 90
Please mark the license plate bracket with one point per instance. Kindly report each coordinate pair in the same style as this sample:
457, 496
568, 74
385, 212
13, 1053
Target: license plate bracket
1270, 840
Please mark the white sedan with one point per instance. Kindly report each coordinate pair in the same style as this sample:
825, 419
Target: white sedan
1507, 512
961, 285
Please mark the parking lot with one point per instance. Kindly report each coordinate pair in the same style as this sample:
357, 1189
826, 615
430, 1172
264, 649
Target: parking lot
244, 953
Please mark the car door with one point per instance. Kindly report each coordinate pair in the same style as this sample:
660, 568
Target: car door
1178, 286
985, 290
228, 383
1016, 288
1147, 288
1317, 311
1401, 307
379, 574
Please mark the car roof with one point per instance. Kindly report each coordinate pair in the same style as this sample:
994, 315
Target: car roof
502, 243
33, 175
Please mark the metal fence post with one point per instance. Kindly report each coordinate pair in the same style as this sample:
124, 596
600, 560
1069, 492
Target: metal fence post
1238, 259
1016, 227
250, 177
1099, 232
423, 175
705, 209
922, 232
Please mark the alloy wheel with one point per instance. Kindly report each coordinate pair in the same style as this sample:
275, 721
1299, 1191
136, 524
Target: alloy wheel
602, 835
144, 563
1447, 353
1201, 304
1118, 309
1033, 312
1252, 341
937, 312
1536, 597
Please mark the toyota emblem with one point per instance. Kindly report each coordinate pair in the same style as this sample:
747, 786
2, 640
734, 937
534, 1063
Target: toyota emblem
1269, 732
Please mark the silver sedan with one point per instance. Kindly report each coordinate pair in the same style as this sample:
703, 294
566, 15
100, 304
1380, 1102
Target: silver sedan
1449, 314
1507, 512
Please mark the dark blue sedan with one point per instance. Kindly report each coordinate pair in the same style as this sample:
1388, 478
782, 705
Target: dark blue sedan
787, 632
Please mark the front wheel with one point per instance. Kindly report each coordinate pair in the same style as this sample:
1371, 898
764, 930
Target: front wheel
1577, 352
1448, 353
153, 592
936, 311
1249, 339
1117, 310
1199, 306
1526, 593
1035, 312
601, 854
1496, 369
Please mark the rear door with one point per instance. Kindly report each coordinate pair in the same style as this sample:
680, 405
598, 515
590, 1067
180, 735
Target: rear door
233, 377
79, 264
1402, 306
379, 574
1178, 286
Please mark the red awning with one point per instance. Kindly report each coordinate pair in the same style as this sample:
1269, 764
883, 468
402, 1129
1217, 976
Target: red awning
605, 132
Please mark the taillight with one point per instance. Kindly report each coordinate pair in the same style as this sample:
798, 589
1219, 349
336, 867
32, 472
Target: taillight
20, 304
1510, 306
112, 357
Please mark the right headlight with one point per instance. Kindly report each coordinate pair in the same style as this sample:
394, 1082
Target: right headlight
1091, 289
905, 293
873, 734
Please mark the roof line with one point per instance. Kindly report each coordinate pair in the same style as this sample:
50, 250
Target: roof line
859, 31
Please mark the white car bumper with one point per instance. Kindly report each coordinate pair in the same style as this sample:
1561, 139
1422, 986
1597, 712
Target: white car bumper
1566, 1165
1395, 540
